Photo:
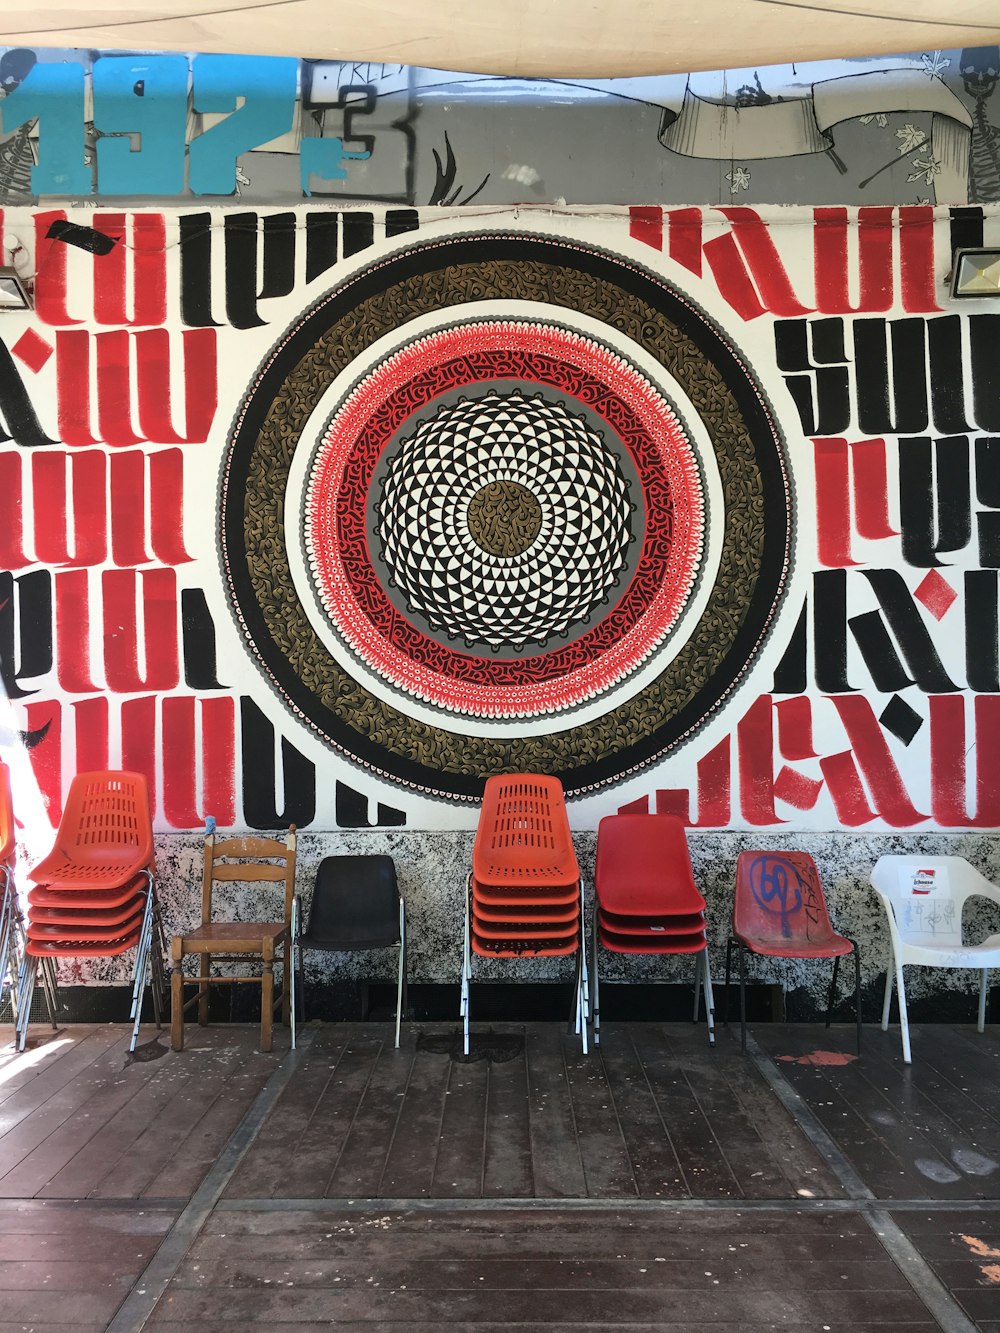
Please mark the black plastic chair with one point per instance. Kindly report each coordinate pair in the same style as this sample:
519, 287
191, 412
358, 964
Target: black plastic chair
356, 905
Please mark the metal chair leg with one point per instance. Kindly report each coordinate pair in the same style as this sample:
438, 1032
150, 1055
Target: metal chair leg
709, 997
401, 980
596, 1001
857, 990
728, 1006
743, 999
833, 989
466, 1000
26, 989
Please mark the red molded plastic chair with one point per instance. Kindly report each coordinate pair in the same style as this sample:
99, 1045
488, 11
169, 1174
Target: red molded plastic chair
95, 893
525, 895
647, 902
779, 911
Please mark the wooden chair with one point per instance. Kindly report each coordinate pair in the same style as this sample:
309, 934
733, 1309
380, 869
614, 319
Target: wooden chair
240, 860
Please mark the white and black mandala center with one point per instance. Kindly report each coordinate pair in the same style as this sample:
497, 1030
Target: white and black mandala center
504, 520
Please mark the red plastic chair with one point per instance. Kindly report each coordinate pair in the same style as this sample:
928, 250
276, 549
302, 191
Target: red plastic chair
779, 911
647, 902
525, 895
105, 836
95, 892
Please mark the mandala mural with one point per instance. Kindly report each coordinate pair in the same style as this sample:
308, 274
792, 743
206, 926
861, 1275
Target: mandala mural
503, 502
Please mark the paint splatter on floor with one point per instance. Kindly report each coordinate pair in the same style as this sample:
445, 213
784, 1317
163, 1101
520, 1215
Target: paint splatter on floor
980, 1247
819, 1058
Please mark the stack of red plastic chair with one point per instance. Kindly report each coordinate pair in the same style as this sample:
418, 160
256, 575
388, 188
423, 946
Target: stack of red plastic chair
525, 896
11, 920
95, 893
647, 901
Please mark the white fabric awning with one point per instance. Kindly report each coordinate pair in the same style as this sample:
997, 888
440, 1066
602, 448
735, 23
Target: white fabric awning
554, 38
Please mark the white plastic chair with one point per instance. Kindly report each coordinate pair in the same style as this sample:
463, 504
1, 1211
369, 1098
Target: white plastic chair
923, 897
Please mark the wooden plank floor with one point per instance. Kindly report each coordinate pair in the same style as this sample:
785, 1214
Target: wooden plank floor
926, 1130
655, 1113
69, 1266
398, 1270
964, 1250
656, 1183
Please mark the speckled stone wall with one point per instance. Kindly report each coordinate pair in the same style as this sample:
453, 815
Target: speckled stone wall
433, 867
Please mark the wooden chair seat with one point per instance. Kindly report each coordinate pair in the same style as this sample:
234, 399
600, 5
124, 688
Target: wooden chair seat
234, 936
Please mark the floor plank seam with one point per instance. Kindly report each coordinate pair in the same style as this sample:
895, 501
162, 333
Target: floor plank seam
617, 1203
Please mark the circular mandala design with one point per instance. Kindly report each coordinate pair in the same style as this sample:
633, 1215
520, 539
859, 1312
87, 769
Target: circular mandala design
504, 458
351, 583
388, 635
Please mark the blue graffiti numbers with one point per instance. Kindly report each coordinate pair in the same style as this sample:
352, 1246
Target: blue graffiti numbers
267, 89
144, 97
777, 888
54, 96
158, 118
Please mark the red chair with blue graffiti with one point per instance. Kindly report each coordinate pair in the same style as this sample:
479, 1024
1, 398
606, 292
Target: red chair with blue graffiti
779, 911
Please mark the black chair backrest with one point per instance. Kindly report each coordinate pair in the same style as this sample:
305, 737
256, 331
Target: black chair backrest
355, 904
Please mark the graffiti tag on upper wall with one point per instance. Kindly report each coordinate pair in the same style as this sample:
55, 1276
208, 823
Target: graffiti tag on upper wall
916, 129
85, 124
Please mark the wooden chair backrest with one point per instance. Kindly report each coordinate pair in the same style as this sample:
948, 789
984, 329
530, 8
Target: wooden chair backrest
248, 860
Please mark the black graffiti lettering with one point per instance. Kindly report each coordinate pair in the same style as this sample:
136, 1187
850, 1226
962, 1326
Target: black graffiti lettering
895, 644
790, 673
910, 631
356, 99
16, 409
322, 233
255, 272
25, 630
359, 232
982, 631
881, 658
895, 377
988, 493
198, 641
277, 275
891, 376
260, 776
196, 270
830, 631
984, 357
813, 358
935, 508
947, 374
352, 810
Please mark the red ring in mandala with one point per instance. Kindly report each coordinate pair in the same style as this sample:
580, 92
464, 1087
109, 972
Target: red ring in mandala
349, 587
